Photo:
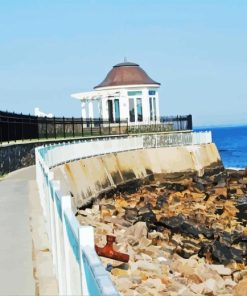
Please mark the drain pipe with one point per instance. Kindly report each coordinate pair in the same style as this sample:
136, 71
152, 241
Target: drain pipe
108, 251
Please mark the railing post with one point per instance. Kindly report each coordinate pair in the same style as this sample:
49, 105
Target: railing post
22, 129
109, 123
46, 131
66, 205
15, 124
100, 126
55, 130
8, 127
73, 127
189, 121
64, 135
86, 239
37, 123
82, 131
119, 127
91, 127
1, 130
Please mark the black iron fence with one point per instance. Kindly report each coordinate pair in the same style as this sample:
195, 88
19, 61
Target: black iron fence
15, 127
183, 122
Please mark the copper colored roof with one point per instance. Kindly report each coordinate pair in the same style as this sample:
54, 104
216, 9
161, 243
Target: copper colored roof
126, 73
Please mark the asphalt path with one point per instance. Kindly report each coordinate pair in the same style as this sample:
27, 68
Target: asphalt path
16, 268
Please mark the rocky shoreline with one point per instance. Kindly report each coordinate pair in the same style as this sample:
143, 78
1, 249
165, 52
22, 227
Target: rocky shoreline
184, 234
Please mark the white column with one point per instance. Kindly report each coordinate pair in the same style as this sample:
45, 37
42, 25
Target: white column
90, 108
124, 105
135, 104
99, 101
83, 109
145, 106
104, 108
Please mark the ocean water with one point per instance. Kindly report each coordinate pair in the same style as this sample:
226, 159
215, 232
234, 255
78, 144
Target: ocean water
232, 145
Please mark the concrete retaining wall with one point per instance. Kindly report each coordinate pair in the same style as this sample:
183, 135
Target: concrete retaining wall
86, 178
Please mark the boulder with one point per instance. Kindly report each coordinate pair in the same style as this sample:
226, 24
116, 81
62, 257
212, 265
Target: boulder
131, 214
119, 272
138, 230
241, 288
221, 269
210, 287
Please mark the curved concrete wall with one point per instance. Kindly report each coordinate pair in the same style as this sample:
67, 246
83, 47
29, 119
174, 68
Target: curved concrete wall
88, 177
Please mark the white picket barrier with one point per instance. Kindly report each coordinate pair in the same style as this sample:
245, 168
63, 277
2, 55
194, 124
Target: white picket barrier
77, 266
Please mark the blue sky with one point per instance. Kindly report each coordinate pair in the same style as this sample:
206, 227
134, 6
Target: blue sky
196, 49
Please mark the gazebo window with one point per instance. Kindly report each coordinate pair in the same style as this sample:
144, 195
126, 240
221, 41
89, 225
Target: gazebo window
133, 93
139, 109
131, 110
152, 92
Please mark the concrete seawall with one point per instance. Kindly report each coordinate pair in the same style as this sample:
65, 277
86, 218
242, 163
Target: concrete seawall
87, 178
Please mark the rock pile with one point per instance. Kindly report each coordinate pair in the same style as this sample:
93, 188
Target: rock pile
185, 236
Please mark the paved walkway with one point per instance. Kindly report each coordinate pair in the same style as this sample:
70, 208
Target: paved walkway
16, 268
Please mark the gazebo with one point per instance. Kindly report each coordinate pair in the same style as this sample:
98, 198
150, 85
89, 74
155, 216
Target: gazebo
126, 93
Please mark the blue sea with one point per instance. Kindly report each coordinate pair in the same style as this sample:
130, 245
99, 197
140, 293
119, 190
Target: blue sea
232, 145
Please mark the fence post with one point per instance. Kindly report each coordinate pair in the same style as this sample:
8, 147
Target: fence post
82, 131
21, 128
73, 127
66, 205
54, 125
100, 126
86, 238
127, 126
37, 123
189, 122
15, 124
64, 135
109, 123
1, 130
8, 128
46, 131
91, 127
119, 127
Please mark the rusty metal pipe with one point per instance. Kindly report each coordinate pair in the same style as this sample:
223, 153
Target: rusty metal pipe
108, 251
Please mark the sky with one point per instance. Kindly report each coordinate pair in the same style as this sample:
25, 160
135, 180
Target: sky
196, 49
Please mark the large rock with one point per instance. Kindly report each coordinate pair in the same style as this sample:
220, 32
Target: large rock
241, 288
138, 230
221, 269
209, 287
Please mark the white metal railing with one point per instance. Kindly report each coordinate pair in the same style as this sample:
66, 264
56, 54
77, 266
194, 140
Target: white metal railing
56, 154
78, 268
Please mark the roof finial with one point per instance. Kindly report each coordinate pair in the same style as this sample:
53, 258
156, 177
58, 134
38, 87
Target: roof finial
125, 59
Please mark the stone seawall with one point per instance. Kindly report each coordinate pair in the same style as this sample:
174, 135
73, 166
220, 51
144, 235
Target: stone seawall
87, 178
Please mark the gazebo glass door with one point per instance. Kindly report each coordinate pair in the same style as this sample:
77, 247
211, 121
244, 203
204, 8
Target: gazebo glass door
110, 110
113, 110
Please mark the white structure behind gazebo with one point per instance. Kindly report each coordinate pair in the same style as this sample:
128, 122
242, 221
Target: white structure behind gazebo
115, 100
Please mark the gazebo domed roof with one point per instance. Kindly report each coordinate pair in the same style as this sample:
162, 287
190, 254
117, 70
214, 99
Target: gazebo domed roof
126, 73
